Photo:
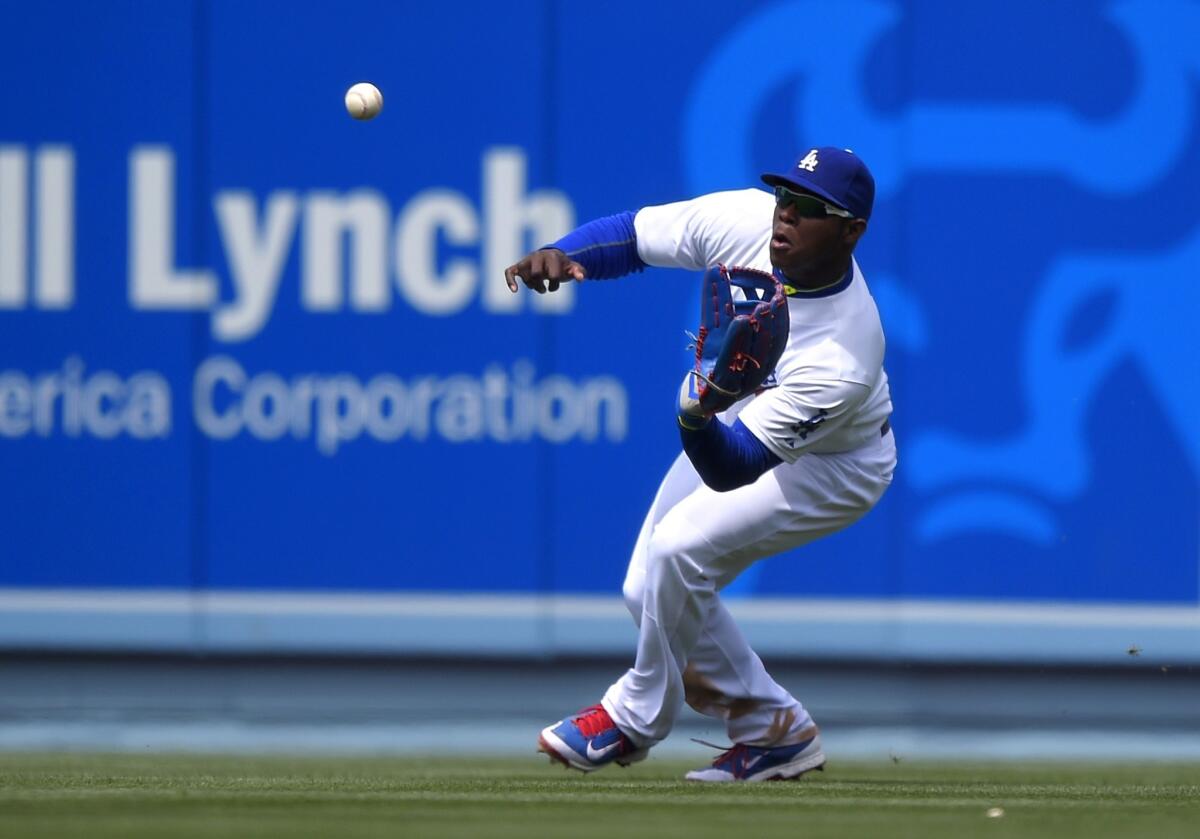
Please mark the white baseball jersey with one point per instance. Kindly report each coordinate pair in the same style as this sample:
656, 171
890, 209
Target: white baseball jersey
833, 392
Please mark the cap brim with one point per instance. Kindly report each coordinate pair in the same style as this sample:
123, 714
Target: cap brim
790, 179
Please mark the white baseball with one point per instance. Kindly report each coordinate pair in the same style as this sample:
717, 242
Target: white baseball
364, 101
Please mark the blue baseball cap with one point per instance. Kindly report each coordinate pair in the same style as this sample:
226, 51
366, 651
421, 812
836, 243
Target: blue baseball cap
837, 175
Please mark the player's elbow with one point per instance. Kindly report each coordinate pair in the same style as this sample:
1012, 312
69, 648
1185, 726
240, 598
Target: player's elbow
726, 457
727, 482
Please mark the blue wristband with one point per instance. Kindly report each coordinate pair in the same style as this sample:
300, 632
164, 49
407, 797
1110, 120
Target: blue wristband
727, 456
606, 247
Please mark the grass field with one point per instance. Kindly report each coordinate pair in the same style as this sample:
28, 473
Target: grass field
177, 797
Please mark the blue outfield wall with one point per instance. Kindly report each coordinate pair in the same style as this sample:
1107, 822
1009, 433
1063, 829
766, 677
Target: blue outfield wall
257, 359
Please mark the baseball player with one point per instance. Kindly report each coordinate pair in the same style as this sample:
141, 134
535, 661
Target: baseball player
798, 461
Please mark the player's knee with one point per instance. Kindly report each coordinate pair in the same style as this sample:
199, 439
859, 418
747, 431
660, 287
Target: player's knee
672, 561
634, 590
635, 598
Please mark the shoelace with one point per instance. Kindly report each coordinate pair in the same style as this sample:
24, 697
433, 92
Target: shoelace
592, 721
729, 754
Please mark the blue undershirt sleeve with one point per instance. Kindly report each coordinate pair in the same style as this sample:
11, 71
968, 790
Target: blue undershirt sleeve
606, 247
727, 456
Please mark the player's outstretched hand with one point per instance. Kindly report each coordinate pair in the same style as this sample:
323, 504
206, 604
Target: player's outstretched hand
549, 266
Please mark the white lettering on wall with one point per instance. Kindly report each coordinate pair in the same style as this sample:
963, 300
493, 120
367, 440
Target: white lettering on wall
154, 281
102, 404
505, 405
256, 258
516, 223
443, 253
13, 222
417, 276
53, 202
54, 175
212, 374
330, 219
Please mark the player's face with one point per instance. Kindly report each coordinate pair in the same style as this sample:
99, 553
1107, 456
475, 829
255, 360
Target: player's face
808, 248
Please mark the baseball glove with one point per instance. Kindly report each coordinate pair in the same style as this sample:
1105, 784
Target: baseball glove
739, 342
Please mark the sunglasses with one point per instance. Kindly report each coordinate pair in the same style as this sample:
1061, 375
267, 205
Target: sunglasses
807, 206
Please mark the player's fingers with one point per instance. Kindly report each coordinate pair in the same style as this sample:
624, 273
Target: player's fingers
577, 271
535, 277
555, 262
510, 277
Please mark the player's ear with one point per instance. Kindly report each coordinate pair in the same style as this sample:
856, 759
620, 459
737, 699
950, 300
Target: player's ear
853, 231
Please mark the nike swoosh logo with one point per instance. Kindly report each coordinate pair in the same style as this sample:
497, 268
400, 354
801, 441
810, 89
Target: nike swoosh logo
595, 755
750, 764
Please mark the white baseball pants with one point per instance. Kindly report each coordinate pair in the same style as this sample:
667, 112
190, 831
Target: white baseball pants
693, 543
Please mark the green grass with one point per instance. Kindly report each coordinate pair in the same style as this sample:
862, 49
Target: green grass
177, 797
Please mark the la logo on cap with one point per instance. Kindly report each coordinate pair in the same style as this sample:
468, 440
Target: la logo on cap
809, 162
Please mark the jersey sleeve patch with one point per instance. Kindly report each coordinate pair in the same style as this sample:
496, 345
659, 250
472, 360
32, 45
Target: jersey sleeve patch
791, 420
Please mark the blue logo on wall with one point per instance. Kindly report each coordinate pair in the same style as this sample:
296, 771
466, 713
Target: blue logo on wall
1041, 297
